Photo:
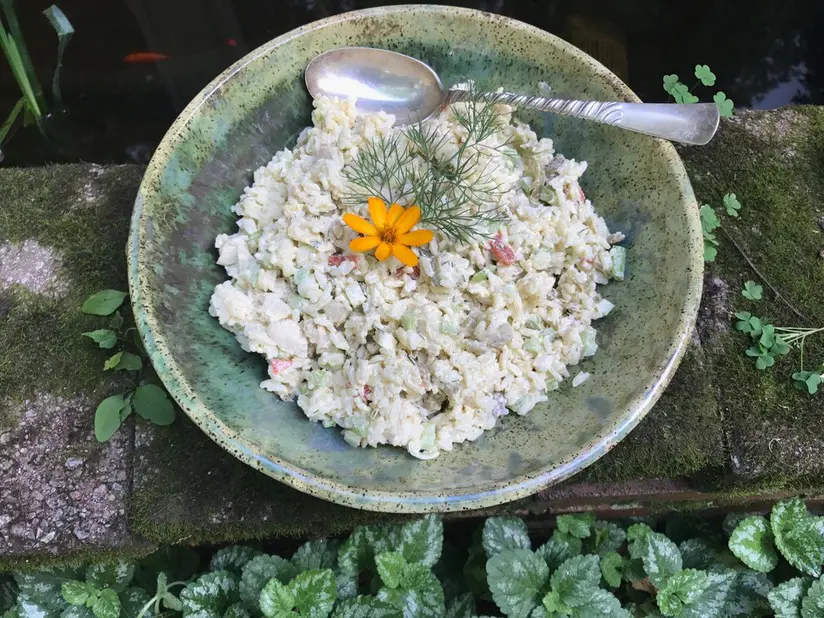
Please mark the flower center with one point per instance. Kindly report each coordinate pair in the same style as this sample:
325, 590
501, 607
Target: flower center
388, 234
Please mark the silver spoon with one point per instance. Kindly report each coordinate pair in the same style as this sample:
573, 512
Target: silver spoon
382, 80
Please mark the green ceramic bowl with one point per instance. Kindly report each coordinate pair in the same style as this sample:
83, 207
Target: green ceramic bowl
257, 107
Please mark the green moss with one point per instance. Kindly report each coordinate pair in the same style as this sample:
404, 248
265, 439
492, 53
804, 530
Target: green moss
188, 490
81, 213
681, 436
773, 163
9, 564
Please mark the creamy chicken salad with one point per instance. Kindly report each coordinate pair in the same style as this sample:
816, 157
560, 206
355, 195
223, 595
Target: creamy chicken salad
425, 356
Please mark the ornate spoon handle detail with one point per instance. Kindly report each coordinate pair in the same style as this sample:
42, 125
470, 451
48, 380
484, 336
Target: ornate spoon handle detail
688, 124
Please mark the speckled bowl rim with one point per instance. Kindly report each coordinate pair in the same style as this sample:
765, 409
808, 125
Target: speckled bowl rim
401, 502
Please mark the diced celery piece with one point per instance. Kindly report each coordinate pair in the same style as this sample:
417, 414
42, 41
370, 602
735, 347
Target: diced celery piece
526, 184
481, 275
619, 260
589, 344
316, 378
548, 195
511, 154
579, 379
300, 275
604, 307
294, 301
532, 345
534, 323
448, 328
408, 320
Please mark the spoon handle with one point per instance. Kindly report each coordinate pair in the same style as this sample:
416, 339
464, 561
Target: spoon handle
694, 123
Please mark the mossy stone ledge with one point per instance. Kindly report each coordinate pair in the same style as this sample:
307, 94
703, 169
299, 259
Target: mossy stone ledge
723, 434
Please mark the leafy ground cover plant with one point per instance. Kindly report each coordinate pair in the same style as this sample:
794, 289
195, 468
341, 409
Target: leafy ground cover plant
770, 341
145, 398
756, 566
682, 93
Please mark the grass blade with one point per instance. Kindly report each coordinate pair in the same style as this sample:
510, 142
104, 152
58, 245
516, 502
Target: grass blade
7, 125
19, 71
16, 37
64, 29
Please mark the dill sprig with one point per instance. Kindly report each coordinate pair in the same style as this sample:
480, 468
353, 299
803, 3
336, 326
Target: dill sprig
456, 192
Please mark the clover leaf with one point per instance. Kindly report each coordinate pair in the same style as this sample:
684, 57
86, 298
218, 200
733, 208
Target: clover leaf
702, 72
682, 94
724, 104
807, 381
752, 291
732, 204
670, 81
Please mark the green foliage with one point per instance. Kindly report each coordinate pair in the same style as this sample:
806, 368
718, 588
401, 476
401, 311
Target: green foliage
752, 291
799, 536
149, 400
808, 380
502, 533
455, 188
382, 572
578, 525
703, 73
770, 341
104, 302
724, 104
517, 579
683, 93
709, 223
731, 204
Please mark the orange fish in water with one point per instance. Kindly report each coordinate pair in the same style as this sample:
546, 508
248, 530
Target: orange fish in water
141, 57
231, 42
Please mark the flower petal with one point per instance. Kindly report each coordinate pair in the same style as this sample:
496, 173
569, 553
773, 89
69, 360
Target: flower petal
404, 254
408, 220
364, 243
359, 224
416, 238
377, 210
383, 251
395, 212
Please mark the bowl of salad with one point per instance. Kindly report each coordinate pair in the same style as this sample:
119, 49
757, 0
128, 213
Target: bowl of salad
433, 317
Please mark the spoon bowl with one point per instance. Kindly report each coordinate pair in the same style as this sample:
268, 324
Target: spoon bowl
379, 79
385, 81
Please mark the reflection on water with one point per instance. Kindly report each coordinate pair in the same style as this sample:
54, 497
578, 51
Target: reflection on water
133, 65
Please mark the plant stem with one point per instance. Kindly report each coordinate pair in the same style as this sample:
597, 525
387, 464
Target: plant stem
146, 608
762, 277
7, 125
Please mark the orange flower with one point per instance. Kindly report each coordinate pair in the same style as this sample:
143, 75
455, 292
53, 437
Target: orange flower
389, 231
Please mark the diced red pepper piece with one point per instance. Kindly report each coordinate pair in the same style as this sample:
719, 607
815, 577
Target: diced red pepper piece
503, 252
367, 394
279, 364
337, 260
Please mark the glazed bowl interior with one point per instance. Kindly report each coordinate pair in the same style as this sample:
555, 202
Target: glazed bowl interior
257, 107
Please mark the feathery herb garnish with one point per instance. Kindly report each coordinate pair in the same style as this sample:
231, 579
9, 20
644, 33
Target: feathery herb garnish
455, 191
